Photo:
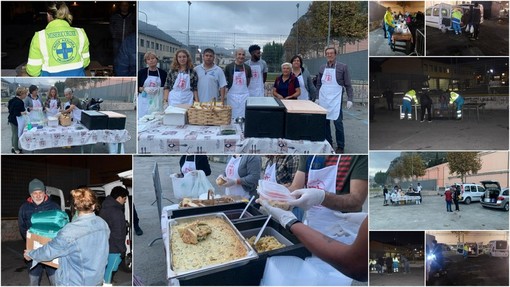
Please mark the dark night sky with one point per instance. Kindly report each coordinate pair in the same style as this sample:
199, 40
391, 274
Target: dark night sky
401, 237
478, 63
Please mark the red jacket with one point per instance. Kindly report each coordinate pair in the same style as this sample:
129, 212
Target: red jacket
448, 195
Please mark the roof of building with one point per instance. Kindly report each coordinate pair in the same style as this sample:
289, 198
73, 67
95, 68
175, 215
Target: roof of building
153, 31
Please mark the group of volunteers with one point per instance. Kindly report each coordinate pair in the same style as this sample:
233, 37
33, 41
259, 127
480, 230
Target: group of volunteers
426, 105
28, 107
185, 83
89, 248
329, 194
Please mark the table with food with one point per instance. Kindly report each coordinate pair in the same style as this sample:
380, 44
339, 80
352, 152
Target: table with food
269, 126
402, 34
62, 130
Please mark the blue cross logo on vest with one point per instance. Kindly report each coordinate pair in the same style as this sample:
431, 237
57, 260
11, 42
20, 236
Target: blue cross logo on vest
64, 50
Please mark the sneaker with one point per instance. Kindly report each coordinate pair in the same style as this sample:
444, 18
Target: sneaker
138, 231
339, 151
421, 121
430, 121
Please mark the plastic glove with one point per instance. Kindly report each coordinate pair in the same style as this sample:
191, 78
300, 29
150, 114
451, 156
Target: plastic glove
307, 197
283, 216
230, 182
349, 104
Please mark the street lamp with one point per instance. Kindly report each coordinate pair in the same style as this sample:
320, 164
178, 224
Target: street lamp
187, 38
329, 22
297, 29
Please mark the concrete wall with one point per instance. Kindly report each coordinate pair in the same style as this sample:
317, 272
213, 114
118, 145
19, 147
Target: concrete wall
494, 167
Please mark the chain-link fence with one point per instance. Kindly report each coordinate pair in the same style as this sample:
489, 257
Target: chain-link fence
112, 89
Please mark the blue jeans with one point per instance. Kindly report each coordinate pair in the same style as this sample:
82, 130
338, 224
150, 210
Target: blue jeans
114, 260
339, 131
448, 205
35, 274
456, 26
389, 32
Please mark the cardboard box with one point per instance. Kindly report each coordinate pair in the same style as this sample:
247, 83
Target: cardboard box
116, 121
35, 241
93, 120
175, 116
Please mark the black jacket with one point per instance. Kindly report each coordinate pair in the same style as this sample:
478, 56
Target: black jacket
201, 163
16, 106
113, 213
27, 209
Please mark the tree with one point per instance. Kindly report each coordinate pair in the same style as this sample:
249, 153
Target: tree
464, 163
380, 177
413, 165
273, 55
60, 88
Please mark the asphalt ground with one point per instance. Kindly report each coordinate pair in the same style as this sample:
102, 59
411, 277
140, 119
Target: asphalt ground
492, 41
415, 277
15, 272
432, 215
355, 129
388, 132
129, 146
472, 271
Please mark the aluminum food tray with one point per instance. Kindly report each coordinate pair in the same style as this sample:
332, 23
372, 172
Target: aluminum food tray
171, 274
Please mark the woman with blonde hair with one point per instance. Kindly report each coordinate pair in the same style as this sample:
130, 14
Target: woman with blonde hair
17, 109
81, 246
150, 83
52, 103
182, 81
58, 50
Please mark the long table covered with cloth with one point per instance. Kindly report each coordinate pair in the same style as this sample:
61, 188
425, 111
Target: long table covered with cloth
155, 137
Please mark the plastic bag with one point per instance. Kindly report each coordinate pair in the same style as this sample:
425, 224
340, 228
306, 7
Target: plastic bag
273, 191
48, 223
471, 29
191, 185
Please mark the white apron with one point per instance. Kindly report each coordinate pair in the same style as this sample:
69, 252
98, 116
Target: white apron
304, 93
21, 125
330, 94
153, 102
75, 113
270, 173
238, 94
188, 166
36, 113
53, 109
181, 92
256, 86
232, 171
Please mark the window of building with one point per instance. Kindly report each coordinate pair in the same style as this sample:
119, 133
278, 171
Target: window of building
152, 45
157, 46
142, 43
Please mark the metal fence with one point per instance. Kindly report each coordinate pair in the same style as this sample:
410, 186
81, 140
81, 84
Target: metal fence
419, 46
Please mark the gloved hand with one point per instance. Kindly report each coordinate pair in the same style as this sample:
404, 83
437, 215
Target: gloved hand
349, 104
283, 216
307, 197
230, 182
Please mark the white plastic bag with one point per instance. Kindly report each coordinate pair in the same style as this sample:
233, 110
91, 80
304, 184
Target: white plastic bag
273, 191
471, 29
191, 185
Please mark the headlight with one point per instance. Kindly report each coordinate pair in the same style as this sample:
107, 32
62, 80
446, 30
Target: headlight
431, 257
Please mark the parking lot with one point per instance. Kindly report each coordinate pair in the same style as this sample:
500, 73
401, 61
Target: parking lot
432, 215
472, 271
413, 278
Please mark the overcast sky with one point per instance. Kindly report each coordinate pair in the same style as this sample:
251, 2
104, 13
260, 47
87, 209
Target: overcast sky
228, 17
380, 161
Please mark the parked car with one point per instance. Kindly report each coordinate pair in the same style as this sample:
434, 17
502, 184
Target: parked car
440, 15
498, 248
470, 192
494, 196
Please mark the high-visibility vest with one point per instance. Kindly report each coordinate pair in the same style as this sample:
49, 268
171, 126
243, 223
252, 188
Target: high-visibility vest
388, 19
457, 14
410, 96
58, 50
453, 97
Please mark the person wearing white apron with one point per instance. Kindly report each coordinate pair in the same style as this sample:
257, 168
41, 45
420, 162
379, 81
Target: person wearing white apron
182, 80
188, 165
36, 111
304, 78
270, 172
258, 71
16, 107
232, 172
52, 104
73, 106
150, 86
334, 76
238, 78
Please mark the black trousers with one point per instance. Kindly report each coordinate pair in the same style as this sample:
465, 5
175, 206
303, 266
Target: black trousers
427, 107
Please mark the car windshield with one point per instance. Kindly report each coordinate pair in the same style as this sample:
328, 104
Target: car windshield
501, 244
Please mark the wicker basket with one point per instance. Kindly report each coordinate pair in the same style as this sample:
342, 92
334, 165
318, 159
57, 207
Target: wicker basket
64, 120
209, 115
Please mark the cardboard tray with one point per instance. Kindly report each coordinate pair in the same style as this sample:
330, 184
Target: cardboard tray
268, 231
171, 274
303, 107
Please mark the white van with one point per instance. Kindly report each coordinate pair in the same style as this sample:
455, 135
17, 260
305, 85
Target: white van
470, 192
440, 15
498, 248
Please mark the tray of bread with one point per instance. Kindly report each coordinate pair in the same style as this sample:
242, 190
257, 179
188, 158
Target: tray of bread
203, 244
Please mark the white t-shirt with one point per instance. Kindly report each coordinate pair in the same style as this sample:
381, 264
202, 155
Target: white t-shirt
209, 82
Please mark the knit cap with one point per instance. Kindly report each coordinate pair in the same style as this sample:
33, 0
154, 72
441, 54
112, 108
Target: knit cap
36, 184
